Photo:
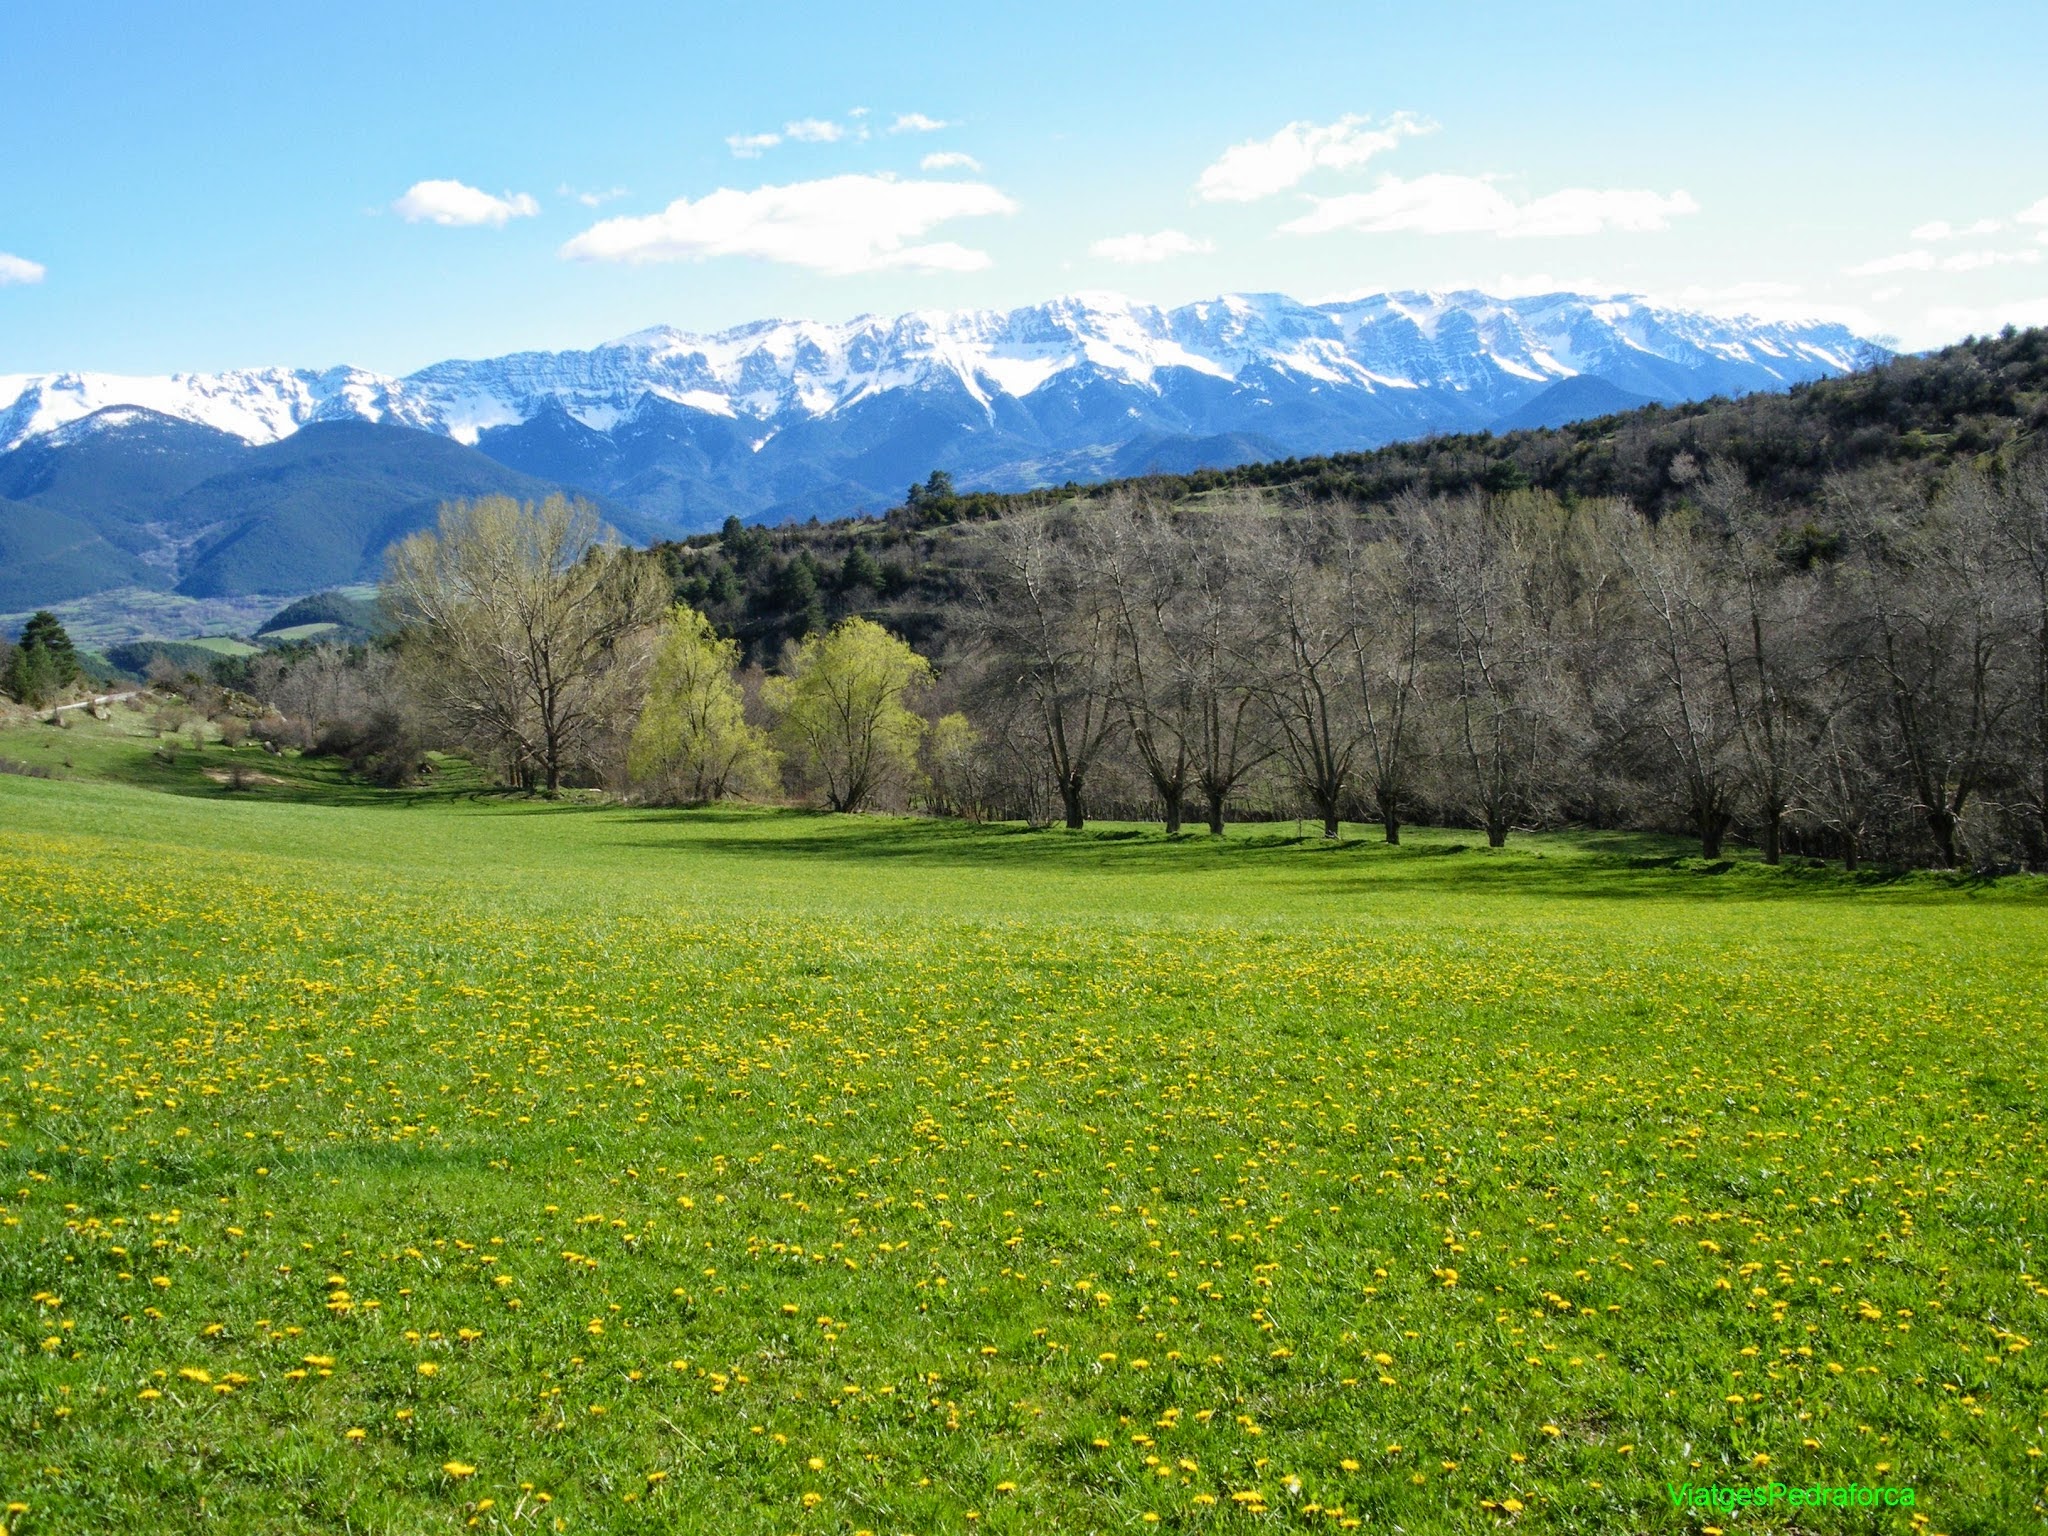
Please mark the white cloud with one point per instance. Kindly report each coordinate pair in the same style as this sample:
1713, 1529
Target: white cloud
748, 146
1961, 261
1941, 229
917, 122
949, 160
19, 269
1767, 301
590, 199
841, 225
1905, 261
1135, 250
453, 203
814, 130
2037, 214
1976, 261
1260, 167
1950, 322
1473, 205
1516, 285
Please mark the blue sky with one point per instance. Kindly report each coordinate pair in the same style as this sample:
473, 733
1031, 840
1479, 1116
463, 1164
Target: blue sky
207, 186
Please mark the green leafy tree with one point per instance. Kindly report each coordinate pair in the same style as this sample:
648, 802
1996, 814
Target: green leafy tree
693, 742
842, 712
43, 664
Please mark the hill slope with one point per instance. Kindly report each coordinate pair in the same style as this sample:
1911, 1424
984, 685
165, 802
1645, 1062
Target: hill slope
1915, 415
132, 498
48, 556
320, 508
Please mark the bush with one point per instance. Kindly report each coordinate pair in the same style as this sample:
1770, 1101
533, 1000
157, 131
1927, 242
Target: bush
278, 734
386, 748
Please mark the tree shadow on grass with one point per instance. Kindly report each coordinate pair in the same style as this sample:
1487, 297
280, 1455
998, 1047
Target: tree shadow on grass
1433, 862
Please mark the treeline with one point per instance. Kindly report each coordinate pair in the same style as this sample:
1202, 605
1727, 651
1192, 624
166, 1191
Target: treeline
1499, 661
1515, 660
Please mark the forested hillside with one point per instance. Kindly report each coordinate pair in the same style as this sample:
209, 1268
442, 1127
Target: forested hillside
1912, 416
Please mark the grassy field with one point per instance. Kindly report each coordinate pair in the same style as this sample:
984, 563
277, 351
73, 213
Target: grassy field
301, 632
426, 1161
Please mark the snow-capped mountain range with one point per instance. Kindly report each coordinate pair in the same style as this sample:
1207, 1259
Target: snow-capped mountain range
1054, 386
285, 481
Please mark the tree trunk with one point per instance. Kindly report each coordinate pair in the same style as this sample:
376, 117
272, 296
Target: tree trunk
1330, 827
1216, 812
1851, 853
1391, 822
1941, 826
1173, 798
1070, 797
1774, 834
1496, 833
1713, 827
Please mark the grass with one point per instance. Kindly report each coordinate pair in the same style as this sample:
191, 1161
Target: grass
402, 1162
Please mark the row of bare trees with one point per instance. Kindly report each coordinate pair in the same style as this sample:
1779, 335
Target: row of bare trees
1879, 689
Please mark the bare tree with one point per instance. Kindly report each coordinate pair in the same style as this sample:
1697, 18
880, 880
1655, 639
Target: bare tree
2019, 508
1685, 649
1838, 778
1213, 631
1499, 693
1933, 621
1049, 633
1385, 624
1129, 550
1307, 652
1751, 613
527, 629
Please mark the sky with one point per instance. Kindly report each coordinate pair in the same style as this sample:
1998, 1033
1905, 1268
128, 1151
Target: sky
209, 186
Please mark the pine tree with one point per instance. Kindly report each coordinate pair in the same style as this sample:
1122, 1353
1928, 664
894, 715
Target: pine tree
44, 663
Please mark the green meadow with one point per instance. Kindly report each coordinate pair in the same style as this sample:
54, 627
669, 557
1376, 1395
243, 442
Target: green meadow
433, 1160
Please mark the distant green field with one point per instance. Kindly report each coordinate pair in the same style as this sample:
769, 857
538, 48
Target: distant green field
429, 1160
300, 632
226, 645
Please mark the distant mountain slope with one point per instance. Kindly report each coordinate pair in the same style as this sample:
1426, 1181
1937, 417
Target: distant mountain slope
131, 498
48, 556
119, 467
1568, 400
782, 419
320, 508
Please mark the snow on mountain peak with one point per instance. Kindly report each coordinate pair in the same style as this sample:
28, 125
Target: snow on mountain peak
777, 371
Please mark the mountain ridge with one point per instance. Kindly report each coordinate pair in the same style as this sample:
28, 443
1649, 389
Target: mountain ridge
779, 418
